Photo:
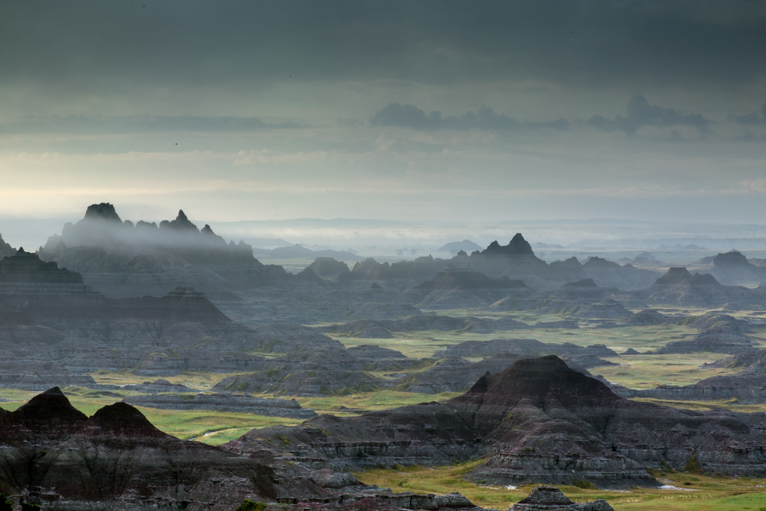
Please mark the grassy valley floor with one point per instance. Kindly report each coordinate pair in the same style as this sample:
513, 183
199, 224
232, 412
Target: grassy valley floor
690, 492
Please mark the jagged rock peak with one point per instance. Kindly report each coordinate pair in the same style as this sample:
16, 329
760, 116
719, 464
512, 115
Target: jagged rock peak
181, 223
207, 230
518, 247
103, 211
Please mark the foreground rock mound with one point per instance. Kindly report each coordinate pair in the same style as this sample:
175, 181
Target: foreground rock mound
550, 498
55, 456
537, 421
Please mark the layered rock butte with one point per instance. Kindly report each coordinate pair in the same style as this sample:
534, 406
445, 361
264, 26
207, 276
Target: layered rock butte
537, 421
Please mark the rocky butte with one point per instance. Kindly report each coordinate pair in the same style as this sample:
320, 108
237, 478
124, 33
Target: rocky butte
537, 421
119, 258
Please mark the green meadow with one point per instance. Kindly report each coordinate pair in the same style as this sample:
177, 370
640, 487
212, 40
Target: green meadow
693, 493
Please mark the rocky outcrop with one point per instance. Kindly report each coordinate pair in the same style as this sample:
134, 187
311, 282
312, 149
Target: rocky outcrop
224, 403
538, 420
550, 498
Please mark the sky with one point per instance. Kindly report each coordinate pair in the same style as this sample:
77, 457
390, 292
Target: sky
428, 111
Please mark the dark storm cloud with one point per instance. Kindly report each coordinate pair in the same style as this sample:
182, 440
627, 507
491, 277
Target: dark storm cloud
140, 124
751, 119
80, 46
410, 116
641, 113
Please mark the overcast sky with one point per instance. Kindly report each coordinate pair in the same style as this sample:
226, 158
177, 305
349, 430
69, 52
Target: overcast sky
399, 110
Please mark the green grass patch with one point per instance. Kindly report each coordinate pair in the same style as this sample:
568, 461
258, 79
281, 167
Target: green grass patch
380, 400
424, 343
649, 371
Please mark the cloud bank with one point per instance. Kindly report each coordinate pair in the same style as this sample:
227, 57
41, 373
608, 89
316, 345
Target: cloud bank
410, 116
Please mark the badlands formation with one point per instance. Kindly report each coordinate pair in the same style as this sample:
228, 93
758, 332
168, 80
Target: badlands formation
527, 370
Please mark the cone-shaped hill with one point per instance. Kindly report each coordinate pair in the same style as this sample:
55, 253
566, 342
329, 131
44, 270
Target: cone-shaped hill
121, 419
538, 420
46, 416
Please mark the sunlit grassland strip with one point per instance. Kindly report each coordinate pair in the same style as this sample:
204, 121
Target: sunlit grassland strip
424, 343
